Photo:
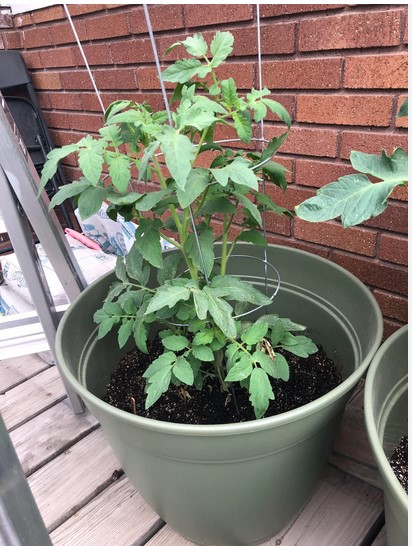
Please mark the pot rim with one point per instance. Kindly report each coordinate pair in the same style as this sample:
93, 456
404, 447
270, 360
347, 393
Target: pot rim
384, 466
229, 428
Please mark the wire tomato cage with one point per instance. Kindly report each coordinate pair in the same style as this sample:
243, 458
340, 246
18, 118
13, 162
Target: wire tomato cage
273, 281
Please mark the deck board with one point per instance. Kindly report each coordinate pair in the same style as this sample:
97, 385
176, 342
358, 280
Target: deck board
85, 501
14, 371
32, 397
129, 517
49, 434
73, 478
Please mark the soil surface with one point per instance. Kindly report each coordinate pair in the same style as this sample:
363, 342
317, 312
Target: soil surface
309, 379
399, 462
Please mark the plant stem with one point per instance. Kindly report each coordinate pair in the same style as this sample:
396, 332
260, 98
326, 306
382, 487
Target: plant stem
219, 370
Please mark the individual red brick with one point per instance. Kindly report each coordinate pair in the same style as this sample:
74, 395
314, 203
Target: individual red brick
303, 74
132, 51
36, 37
62, 33
278, 224
96, 54
44, 100
405, 35
392, 306
304, 141
395, 218
107, 26
46, 80
377, 274
403, 121
393, 248
377, 71
32, 59
276, 10
242, 73
370, 110
61, 138
147, 78
64, 101
400, 193
76, 79
357, 240
354, 30
81, 9
371, 142
162, 17
91, 123
22, 20
56, 120
52, 58
210, 14
318, 173
52, 13
12, 39
116, 78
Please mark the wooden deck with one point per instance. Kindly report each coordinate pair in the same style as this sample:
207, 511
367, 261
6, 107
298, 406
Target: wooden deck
86, 500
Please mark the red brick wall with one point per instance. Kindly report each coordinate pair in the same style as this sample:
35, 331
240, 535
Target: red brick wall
340, 70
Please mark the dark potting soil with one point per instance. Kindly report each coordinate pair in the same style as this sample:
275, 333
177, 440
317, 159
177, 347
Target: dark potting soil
309, 379
399, 462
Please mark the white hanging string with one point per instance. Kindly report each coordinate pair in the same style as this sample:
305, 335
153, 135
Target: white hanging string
84, 58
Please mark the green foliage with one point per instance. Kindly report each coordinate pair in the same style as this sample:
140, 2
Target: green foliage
195, 301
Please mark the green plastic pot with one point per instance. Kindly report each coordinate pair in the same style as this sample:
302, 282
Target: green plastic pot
386, 418
234, 484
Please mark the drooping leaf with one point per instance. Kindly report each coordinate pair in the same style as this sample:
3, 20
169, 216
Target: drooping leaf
183, 371
136, 267
253, 236
115, 107
353, 197
90, 201
276, 174
125, 331
221, 313
120, 269
243, 125
179, 154
249, 206
69, 190
260, 391
147, 240
205, 256
254, 333
140, 335
167, 296
197, 182
145, 160
279, 110
53, 158
91, 159
169, 269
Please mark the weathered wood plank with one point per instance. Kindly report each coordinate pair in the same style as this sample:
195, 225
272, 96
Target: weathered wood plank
49, 434
27, 400
74, 478
118, 516
14, 371
340, 513
380, 540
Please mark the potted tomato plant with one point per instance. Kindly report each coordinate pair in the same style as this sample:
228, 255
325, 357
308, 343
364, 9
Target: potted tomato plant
231, 483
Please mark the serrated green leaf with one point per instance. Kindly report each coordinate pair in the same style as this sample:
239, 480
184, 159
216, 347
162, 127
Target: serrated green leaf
221, 313
221, 47
167, 296
279, 110
254, 333
130, 116
353, 197
179, 154
183, 70
266, 363
203, 338
197, 182
119, 170
207, 258
239, 172
300, 346
201, 304
403, 110
91, 160
276, 174
260, 392
241, 369
182, 370
234, 289
147, 240
53, 158
287, 324
145, 160
140, 335
206, 104
90, 201
232, 353
282, 367
229, 93
105, 326
249, 206
112, 134
195, 117
120, 269
217, 204
125, 331
158, 384
164, 361
243, 125
147, 201
175, 343
136, 267
69, 190
384, 167
273, 146
205, 354
253, 236
278, 332
112, 308
195, 45
169, 269
115, 107
267, 202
